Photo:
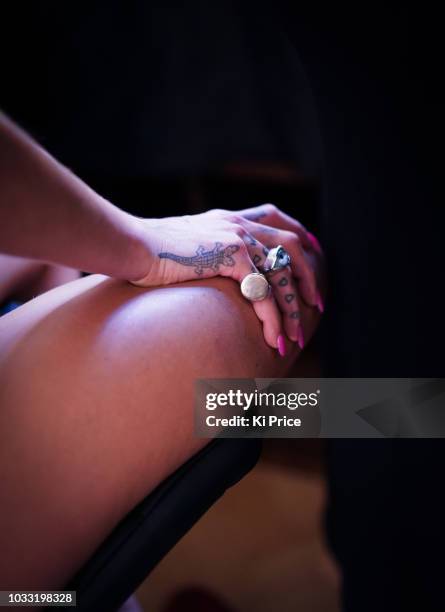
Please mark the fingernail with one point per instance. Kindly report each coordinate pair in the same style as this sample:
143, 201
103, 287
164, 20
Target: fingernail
315, 243
281, 345
300, 338
320, 304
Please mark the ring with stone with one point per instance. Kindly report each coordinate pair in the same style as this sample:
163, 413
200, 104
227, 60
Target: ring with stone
277, 259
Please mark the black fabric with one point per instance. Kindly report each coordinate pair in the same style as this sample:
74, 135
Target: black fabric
153, 527
138, 88
375, 72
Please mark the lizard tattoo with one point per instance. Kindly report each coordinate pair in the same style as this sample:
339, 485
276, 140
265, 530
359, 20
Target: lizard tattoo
206, 259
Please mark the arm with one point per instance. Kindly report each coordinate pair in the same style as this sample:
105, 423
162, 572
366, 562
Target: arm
48, 213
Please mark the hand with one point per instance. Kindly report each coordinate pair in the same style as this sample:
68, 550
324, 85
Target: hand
234, 244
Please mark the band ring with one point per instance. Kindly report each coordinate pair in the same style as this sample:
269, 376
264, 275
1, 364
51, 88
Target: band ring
255, 287
277, 259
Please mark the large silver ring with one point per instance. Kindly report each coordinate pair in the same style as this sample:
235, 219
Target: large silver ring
277, 259
255, 287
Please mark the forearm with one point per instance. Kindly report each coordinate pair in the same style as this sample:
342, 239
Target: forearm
48, 213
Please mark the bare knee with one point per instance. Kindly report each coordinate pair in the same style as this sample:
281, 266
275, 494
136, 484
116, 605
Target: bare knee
207, 329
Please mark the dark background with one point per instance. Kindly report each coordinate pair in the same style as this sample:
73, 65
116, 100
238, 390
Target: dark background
165, 108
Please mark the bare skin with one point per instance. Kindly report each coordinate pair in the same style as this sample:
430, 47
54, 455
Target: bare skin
49, 214
96, 396
96, 377
22, 279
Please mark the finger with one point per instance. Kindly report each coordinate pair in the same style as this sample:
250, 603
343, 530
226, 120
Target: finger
256, 249
269, 314
285, 291
302, 270
269, 214
300, 265
266, 310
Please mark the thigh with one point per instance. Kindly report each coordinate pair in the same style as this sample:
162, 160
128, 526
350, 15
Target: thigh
96, 395
22, 278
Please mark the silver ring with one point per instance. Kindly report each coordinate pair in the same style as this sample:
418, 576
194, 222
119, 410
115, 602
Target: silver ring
277, 259
255, 287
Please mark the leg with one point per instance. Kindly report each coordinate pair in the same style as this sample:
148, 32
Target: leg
22, 278
96, 387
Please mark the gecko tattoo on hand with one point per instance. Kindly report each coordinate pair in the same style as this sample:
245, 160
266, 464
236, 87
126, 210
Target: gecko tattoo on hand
206, 259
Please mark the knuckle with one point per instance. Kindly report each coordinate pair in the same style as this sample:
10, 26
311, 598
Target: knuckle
270, 209
294, 315
218, 211
239, 230
236, 218
289, 298
291, 240
282, 280
242, 247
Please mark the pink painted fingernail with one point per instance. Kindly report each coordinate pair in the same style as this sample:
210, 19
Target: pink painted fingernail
320, 304
300, 339
315, 243
281, 345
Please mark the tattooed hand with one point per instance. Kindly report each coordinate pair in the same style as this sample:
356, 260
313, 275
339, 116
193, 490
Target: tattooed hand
234, 244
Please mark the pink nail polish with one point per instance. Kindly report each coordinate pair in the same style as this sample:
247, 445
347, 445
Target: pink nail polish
300, 337
315, 243
281, 345
320, 304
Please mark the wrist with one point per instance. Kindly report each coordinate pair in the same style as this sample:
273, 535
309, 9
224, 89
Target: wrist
140, 255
